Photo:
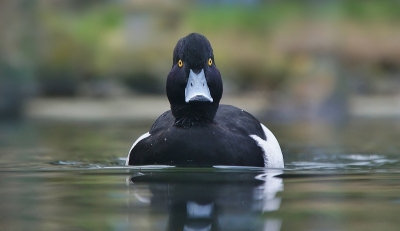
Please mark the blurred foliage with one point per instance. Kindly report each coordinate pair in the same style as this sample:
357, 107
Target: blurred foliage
75, 38
368, 11
243, 19
255, 44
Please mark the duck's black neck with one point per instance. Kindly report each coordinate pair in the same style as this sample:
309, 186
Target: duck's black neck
194, 114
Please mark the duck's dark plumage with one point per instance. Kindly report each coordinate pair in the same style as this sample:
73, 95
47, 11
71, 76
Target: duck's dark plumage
197, 131
206, 145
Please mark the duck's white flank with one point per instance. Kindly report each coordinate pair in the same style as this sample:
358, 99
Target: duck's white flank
144, 136
272, 151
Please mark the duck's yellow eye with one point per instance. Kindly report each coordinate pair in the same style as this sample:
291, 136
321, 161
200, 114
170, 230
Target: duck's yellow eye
210, 62
180, 63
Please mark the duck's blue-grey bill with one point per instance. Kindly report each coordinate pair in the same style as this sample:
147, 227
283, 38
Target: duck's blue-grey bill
197, 88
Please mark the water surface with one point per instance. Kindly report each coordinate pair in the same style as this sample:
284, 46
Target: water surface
71, 176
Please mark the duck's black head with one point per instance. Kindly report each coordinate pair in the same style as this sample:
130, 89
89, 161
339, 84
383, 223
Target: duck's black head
194, 85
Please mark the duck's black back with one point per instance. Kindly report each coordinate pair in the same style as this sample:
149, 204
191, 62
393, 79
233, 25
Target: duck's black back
226, 141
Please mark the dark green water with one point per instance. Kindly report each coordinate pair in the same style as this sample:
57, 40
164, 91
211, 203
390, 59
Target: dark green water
70, 176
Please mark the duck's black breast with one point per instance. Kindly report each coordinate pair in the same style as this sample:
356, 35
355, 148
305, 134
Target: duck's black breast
226, 141
238, 121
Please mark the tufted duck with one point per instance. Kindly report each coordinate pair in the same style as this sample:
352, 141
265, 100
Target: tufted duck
198, 131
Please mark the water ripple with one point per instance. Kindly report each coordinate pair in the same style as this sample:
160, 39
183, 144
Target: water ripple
344, 161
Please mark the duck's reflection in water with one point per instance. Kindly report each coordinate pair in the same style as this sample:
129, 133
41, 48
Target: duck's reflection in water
207, 200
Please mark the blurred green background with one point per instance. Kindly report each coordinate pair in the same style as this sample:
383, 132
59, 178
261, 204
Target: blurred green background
80, 80
301, 60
